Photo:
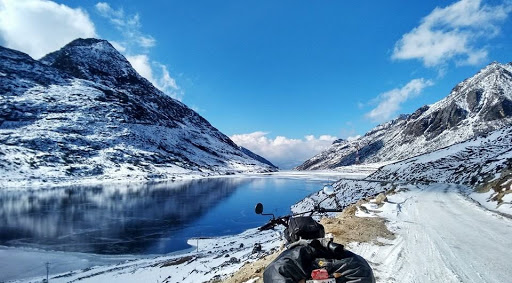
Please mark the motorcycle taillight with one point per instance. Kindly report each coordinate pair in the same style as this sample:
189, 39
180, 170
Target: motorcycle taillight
319, 274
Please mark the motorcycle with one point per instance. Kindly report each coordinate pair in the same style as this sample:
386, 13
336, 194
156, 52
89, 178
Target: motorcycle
310, 256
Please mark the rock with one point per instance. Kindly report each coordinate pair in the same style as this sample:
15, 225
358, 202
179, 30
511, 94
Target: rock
234, 260
381, 198
257, 248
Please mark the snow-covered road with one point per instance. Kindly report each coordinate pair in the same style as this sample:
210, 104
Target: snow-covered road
442, 237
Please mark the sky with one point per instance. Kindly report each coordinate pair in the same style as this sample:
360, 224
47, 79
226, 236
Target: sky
282, 78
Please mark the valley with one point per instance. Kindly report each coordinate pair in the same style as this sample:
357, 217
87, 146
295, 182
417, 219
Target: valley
107, 178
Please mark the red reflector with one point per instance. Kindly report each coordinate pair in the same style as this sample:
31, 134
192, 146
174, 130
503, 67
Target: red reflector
319, 274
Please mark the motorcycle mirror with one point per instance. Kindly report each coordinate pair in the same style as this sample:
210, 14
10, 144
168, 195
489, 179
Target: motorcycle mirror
259, 208
328, 190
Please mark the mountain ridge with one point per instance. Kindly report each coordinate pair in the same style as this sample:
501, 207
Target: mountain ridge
257, 157
477, 105
62, 119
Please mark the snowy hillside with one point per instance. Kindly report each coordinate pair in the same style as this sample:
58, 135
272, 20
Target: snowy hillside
347, 192
476, 106
483, 163
257, 157
469, 163
84, 113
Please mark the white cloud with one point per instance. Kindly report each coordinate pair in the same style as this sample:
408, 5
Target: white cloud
389, 102
161, 80
454, 32
146, 41
166, 81
103, 8
129, 26
284, 152
118, 46
133, 41
39, 27
141, 64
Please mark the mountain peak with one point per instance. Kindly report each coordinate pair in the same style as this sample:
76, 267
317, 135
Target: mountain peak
478, 105
95, 60
88, 42
19, 72
494, 63
493, 78
493, 67
84, 112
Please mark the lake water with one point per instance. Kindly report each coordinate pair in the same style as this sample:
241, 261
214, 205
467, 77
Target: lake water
143, 219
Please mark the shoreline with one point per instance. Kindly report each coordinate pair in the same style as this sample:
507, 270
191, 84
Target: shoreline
27, 184
30, 261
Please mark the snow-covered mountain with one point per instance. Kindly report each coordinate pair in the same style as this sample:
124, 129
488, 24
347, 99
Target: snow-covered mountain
257, 157
476, 106
84, 112
474, 162
483, 165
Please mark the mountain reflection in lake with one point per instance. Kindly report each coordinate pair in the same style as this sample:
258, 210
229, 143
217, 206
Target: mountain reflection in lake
142, 219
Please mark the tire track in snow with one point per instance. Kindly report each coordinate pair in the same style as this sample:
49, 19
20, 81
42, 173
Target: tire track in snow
442, 237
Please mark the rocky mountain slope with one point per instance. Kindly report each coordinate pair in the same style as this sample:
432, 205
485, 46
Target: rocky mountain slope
476, 106
84, 113
257, 157
473, 162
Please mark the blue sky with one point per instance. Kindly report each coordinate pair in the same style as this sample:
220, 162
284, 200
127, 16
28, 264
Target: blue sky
283, 78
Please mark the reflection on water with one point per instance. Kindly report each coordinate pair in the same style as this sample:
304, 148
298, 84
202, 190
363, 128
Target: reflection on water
150, 218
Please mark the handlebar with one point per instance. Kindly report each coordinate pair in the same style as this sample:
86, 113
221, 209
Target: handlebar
268, 225
283, 220
322, 210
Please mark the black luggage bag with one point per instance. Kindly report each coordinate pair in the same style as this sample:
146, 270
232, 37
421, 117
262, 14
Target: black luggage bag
304, 227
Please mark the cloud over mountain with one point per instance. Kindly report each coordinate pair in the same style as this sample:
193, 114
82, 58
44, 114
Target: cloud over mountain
39, 27
389, 102
282, 151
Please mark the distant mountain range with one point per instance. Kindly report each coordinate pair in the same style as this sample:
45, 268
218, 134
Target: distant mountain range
476, 106
84, 112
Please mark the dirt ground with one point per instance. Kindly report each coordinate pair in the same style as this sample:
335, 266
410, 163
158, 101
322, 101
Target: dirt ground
345, 227
501, 186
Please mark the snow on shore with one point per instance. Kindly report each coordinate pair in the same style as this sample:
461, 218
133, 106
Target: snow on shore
210, 258
347, 192
182, 175
195, 265
434, 224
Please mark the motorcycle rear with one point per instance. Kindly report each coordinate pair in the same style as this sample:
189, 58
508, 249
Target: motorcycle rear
310, 256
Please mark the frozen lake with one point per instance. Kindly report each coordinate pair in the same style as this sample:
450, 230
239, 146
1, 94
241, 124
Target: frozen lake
143, 219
